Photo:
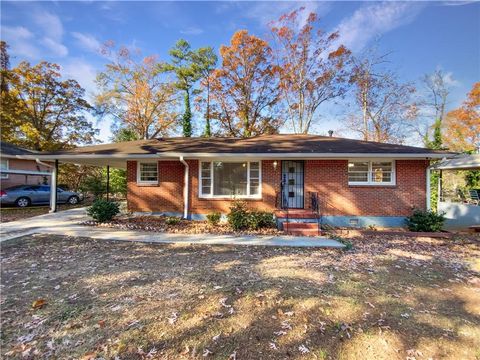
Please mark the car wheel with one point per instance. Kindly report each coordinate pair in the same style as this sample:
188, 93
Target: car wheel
23, 202
73, 200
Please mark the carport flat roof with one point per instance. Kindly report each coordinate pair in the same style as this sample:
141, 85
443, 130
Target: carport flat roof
459, 162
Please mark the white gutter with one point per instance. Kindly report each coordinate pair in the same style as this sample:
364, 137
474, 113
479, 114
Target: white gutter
279, 156
186, 188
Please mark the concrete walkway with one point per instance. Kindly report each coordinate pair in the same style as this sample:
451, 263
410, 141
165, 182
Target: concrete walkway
67, 223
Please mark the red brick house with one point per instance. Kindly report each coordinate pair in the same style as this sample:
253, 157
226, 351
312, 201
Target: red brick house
17, 171
356, 182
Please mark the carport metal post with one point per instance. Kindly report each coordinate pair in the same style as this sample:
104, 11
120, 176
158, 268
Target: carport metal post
108, 181
53, 188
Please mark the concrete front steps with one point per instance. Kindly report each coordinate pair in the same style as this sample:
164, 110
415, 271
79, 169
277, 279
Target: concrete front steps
301, 228
298, 222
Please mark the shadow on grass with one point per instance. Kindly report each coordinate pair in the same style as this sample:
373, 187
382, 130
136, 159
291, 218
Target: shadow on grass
255, 302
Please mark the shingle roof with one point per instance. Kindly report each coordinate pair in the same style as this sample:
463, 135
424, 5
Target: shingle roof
10, 149
273, 144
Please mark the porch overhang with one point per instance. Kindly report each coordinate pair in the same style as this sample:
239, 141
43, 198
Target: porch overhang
459, 162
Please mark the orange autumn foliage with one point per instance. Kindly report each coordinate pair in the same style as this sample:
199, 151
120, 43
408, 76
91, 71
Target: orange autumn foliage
245, 88
462, 126
313, 67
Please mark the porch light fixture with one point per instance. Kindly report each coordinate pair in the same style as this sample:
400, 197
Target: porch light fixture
275, 164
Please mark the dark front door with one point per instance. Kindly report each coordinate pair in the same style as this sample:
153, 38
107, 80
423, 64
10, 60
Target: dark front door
292, 181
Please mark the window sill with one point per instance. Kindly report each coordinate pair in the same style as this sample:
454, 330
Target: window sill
372, 185
230, 198
146, 184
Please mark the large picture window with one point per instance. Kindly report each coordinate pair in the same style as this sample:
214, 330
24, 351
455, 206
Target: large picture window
371, 173
230, 179
147, 173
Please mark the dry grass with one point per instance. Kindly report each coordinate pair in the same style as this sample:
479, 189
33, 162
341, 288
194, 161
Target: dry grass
389, 298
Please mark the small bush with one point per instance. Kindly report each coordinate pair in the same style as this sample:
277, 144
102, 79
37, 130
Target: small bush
425, 221
260, 219
103, 210
172, 220
348, 245
214, 218
238, 216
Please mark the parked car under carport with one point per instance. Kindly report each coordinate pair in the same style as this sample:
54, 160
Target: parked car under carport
26, 195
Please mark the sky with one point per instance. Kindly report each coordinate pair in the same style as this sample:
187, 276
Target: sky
420, 36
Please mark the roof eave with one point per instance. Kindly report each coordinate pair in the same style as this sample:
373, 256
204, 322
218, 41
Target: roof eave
174, 155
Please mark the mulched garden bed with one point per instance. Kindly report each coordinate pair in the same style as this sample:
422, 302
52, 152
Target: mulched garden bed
159, 224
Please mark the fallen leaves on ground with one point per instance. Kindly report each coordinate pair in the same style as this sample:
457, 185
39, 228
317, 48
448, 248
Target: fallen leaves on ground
388, 298
39, 303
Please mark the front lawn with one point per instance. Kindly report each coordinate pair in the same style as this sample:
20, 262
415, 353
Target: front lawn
388, 298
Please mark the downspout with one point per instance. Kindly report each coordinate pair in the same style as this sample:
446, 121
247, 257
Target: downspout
186, 188
429, 206
53, 188
43, 164
439, 189
53, 183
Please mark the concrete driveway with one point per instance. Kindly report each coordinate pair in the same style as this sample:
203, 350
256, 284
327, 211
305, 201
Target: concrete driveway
67, 223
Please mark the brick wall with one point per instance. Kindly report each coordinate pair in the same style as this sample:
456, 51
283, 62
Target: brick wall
17, 179
327, 177
330, 179
166, 196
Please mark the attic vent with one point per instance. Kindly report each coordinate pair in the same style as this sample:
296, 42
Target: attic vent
353, 222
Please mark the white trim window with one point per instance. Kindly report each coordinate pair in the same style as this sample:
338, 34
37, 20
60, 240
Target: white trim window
371, 172
230, 179
147, 172
4, 166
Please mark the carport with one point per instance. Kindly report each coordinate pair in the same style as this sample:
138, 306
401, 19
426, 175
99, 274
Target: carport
459, 214
55, 161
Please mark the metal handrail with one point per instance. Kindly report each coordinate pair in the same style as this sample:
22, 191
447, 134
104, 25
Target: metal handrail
284, 204
316, 209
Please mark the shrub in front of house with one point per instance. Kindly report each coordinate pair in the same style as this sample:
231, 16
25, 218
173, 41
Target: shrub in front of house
214, 218
260, 220
240, 218
425, 221
172, 220
103, 210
